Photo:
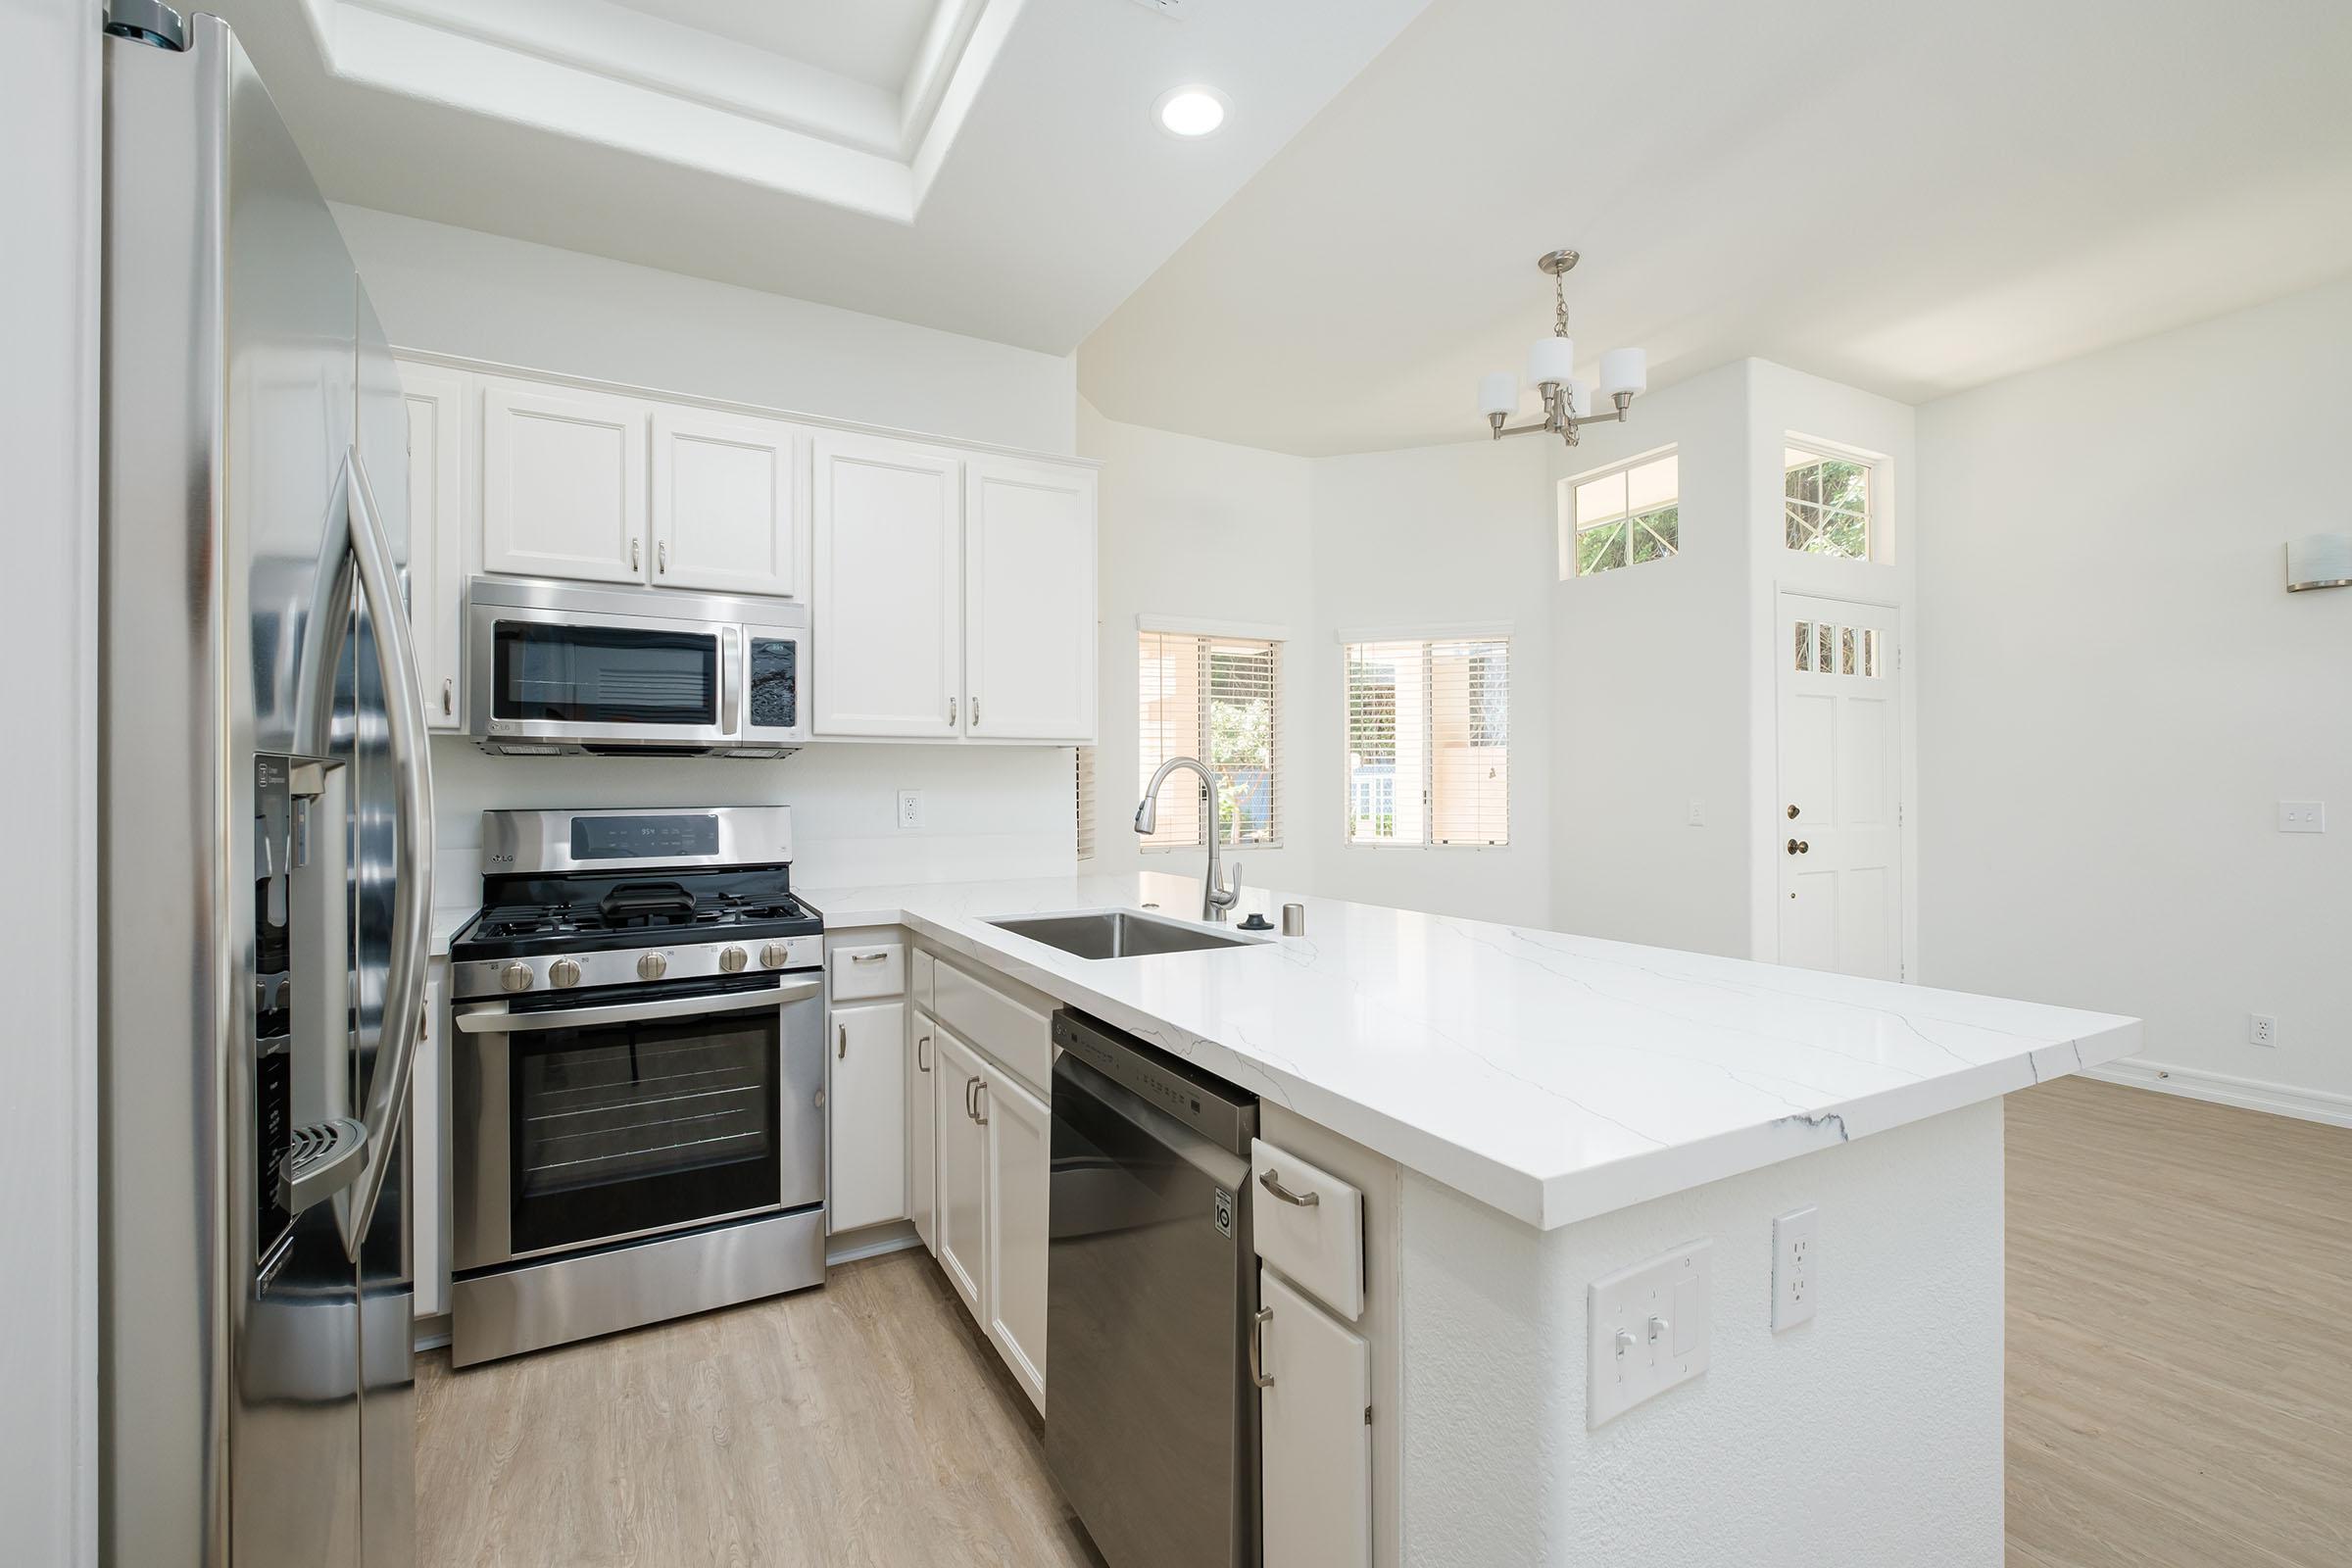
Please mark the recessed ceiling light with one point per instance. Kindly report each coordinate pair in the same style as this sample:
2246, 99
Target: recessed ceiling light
1190, 112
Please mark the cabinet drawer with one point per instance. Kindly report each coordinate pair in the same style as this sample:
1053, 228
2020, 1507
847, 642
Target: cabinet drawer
1316, 1235
925, 992
876, 969
1012, 1032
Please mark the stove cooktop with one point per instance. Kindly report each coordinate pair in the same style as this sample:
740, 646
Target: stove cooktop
548, 915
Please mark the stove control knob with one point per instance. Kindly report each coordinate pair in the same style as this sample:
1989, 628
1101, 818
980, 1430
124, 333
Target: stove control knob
563, 972
774, 954
515, 976
732, 959
653, 966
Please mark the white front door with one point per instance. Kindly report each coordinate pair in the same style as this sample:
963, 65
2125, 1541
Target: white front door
1838, 823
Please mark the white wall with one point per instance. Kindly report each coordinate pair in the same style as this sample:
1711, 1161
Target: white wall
49, 101
459, 291
2116, 689
1201, 530
1882, 1416
1427, 537
989, 811
1649, 690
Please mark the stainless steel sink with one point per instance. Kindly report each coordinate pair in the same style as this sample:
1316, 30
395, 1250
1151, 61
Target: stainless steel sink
1116, 934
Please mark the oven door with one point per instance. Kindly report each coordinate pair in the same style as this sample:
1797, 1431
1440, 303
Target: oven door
581, 1121
775, 681
559, 676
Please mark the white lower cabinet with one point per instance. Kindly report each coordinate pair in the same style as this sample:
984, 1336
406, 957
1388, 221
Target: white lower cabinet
1020, 1139
922, 1123
960, 1213
1314, 1433
992, 1139
866, 1073
429, 1148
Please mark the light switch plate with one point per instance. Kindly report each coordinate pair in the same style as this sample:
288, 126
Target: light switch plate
2302, 816
1648, 1328
1795, 1238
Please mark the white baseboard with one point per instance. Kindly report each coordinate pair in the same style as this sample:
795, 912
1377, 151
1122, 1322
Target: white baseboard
2249, 1094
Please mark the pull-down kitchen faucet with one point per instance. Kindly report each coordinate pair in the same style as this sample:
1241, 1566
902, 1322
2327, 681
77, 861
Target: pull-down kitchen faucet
1216, 896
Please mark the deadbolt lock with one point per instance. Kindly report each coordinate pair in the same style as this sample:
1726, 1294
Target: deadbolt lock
1793, 813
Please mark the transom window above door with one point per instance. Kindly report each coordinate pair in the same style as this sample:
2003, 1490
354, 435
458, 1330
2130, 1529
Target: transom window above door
1622, 515
1217, 697
1825, 502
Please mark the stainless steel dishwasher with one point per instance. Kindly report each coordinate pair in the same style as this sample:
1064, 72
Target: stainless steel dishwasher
1151, 1284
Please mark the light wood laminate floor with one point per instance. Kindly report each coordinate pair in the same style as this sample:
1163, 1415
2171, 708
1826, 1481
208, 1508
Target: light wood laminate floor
2179, 1388
864, 1423
2180, 1281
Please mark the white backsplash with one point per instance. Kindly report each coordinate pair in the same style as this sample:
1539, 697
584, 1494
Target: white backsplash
988, 811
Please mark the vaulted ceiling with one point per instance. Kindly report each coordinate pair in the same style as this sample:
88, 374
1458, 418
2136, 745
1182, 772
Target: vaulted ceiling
1912, 198
989, 166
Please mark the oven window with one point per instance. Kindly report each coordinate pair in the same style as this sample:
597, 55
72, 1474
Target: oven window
775, 682
604, 675
628, 1127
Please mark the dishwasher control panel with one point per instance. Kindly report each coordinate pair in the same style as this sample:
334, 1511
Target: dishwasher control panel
1202, 1101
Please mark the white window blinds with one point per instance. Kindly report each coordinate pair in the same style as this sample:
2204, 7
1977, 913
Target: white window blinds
1084, 767
1428, 741
1219, 699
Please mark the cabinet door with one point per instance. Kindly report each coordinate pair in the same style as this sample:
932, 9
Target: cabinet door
922, 1121
888, 597
867, 1109
1029, 601
563, 483
436, 559
1020, 1141
726, 507
1317, 1446
959, 1216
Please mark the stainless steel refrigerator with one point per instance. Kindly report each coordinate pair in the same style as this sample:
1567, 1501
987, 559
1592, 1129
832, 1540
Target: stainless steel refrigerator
265, 844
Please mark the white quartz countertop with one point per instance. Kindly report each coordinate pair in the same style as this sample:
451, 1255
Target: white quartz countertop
1554, 1077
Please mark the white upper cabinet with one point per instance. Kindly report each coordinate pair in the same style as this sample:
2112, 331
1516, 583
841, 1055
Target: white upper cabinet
726, 504
436, 402
563, 489
888, 597
1029, 601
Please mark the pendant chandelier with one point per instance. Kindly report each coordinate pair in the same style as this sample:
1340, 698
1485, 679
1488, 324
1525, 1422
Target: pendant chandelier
1550, 371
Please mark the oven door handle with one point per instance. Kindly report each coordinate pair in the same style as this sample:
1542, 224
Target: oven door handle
493, 1017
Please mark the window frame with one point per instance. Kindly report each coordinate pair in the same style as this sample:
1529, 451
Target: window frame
1209, 631
1877, 530
1429, 637
1571, 532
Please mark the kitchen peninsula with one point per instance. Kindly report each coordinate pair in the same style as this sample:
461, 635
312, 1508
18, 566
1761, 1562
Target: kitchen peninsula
1528, 1114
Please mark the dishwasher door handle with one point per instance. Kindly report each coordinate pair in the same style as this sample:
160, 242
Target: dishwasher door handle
1258, 1347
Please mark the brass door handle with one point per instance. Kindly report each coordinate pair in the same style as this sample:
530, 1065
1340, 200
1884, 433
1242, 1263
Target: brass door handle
1799, 847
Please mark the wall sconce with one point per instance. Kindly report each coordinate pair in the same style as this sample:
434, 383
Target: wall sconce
2319, 560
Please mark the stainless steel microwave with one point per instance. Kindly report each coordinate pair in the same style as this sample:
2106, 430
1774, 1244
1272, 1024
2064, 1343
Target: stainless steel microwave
559, 668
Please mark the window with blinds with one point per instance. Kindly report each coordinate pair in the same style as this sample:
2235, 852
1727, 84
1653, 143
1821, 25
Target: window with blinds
1428, 741
1082, 766
1219, 699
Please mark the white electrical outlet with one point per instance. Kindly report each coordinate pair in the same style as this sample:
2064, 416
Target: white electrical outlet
2262, 1030
911, 808
1795, 1236
1698, 816
2302, 816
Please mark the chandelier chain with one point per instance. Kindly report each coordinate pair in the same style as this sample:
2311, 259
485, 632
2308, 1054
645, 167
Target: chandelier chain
1560, 304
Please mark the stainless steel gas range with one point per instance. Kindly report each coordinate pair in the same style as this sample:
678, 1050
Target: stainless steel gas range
639, 1072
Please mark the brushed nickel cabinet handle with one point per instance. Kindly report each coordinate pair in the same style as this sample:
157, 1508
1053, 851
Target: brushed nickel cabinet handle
1258, 1348
922, 1062
449, 697
975, 713
979, 1111
635, 560
951, 712
841, 1033
1271, 1180
868, 958
969, 1086
661, 557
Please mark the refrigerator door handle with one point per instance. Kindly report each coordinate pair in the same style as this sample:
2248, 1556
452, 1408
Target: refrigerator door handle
362, 554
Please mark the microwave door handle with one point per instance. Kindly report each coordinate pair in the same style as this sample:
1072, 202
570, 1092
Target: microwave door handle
387, 1103
730, 689
493, 1018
